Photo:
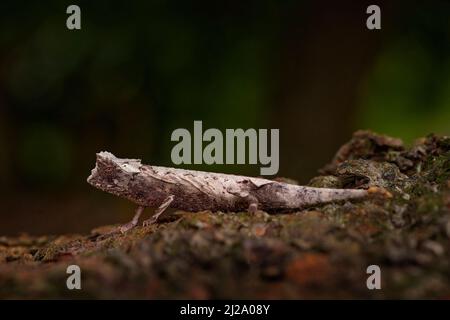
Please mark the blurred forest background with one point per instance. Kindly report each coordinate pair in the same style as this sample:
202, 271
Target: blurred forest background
137, 70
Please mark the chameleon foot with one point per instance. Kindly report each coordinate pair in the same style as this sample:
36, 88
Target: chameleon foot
154, 219
133, 223
252, 208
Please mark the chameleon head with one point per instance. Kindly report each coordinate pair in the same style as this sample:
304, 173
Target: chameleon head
112, 174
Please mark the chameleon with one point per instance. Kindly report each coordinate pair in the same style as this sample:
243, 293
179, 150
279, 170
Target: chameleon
192, 191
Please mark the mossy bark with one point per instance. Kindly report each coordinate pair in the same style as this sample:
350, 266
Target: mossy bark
321, 252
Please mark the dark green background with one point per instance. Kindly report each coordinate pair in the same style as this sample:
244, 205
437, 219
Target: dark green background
137, 70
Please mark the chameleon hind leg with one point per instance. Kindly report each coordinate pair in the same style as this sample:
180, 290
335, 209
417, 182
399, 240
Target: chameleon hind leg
164, 205
133, 223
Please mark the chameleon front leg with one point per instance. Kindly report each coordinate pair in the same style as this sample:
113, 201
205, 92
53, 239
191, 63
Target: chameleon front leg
133, 223
252, 204
253, 207
164, 205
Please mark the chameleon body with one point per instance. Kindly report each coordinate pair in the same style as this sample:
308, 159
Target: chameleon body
188, 190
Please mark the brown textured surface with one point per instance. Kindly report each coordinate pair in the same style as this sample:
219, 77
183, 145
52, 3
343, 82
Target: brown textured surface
322, 252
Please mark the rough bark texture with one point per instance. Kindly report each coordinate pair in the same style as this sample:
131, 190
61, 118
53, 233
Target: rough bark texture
322, 252
194, 191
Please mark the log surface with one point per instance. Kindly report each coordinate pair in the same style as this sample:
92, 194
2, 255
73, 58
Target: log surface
312, 254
